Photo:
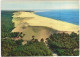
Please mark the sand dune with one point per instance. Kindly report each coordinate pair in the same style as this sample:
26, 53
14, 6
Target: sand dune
24, 20
35, 20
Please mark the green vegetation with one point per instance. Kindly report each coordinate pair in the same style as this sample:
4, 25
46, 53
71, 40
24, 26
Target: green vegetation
7, 46
64, 44
76, 53
61, 43
16, 34
6, 23
32, 48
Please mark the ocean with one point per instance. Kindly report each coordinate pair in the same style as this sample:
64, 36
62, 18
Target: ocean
70, 16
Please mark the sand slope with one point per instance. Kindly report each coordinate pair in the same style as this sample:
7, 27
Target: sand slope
24, 20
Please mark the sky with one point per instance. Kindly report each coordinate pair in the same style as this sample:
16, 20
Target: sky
39, 4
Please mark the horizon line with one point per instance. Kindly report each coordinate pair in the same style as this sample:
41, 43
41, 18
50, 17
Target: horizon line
42, 9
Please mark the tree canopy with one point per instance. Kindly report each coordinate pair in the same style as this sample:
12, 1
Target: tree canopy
63, 43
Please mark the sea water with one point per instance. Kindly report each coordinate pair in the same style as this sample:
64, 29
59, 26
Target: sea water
70, 16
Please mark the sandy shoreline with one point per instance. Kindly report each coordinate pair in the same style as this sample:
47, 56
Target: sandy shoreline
31, 19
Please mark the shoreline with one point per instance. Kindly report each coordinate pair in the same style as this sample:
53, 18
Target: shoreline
70, 16
57, 19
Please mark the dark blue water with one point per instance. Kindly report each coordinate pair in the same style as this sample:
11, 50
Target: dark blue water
71, 16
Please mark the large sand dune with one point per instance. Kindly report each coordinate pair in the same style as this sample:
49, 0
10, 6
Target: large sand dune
27, 21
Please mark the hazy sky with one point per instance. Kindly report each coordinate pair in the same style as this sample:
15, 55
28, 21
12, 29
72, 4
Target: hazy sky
30, 5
